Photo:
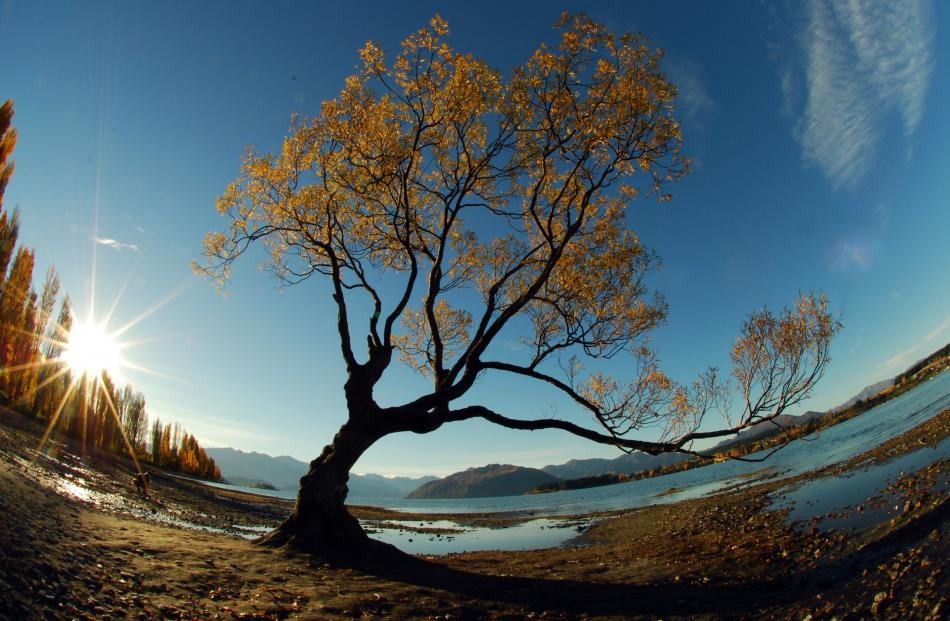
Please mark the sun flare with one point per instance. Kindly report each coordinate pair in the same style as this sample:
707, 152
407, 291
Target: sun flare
92, 351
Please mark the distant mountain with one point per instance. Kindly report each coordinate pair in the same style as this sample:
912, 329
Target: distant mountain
241, 468
378, 486
869, 391
487, 481
627, 463
767, 429
284, 472
787, 421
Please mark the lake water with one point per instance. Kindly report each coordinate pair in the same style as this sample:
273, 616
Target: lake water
531, 535
847, 495
828, 447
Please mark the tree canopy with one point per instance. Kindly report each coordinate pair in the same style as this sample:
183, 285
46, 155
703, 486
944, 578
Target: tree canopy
462, 202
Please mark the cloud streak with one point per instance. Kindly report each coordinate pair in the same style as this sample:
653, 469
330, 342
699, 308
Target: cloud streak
112, 243
854, 254
864, 63
904, 357
692, 95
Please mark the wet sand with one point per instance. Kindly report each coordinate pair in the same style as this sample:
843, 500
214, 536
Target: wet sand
77, 542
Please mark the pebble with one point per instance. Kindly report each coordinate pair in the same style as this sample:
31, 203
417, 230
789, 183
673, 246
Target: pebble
880, 600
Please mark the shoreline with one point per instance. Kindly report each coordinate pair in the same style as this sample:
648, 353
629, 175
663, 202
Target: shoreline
734, 554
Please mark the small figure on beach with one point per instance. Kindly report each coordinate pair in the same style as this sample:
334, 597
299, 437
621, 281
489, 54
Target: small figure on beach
142, 481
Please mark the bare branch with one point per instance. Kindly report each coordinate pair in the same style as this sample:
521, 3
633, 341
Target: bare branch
513, 189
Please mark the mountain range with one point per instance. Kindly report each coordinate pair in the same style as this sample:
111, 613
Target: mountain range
628, 463
284, 472
760, 431
485, 482
242, 468
869, 391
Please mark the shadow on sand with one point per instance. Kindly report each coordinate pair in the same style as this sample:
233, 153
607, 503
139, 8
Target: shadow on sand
575, 597
661, 599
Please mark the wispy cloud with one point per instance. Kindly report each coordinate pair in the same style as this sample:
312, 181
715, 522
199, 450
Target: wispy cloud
129, 217
904, 358
112, 243
853, 255
692, 95
864, 63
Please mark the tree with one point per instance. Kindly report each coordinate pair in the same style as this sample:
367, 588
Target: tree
8, 137
131, 406
25, 354
486, 206
55, 379
44, 344
17, 304
9, 232
155, 441
9, 223
14, 305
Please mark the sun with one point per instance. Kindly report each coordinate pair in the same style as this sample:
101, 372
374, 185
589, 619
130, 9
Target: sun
90, 350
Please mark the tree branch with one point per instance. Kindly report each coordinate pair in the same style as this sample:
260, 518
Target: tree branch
478, 411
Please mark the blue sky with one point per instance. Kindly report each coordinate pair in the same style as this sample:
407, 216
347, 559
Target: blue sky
820, 132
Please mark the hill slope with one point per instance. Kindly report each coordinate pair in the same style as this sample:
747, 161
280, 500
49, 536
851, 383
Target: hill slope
485, 482
241, 468
624, 464
377, 486
761, 431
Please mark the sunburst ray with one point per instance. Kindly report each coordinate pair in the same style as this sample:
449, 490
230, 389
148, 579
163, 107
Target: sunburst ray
63, 371
118, 422
55, 417
171, 296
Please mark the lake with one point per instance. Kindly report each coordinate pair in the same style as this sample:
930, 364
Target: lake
825, 448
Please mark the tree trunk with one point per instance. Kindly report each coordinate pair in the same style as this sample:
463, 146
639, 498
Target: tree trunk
320, 523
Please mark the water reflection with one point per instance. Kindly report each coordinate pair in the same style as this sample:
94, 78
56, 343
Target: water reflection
847, 495
829, 494
68, 476
831, 446
444, 537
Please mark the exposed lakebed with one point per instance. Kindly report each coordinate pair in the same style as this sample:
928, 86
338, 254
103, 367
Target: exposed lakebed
853, 499
755, 543
532, 519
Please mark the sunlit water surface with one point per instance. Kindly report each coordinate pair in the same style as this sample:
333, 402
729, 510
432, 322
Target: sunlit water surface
531, 535
828, 447
804, 500
842, 501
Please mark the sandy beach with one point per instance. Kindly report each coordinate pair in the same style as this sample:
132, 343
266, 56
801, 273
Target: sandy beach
78, 542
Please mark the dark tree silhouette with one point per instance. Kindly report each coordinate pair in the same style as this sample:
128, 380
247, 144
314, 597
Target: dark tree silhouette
491, 204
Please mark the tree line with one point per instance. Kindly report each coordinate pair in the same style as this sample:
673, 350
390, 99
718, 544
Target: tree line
37, 383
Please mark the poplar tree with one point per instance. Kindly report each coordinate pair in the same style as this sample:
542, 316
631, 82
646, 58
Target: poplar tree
8, 137
54, 383
25, 355
13, 305
9, 223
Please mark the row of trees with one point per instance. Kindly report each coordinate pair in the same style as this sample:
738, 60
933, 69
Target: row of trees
173, 448
34, 379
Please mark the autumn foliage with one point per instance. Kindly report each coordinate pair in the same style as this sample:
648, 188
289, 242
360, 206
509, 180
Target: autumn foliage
467, 206
495, 202
35, 381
